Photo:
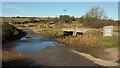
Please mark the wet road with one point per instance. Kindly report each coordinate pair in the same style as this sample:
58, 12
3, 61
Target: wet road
46, 52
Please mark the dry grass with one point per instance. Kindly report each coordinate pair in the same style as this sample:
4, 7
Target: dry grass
26, 25
8, 19
72, 25
51, 32
116, 28
92, 39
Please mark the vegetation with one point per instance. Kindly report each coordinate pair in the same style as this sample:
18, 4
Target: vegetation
116, 28
96, 13
25, 25
51, 32
14, 19
92, 39
9, 32
66, 19
96, 18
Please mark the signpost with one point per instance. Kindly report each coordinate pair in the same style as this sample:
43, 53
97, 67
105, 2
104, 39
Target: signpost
108, 31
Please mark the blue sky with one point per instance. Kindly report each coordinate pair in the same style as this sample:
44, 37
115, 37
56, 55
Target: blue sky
60, 0
53, 9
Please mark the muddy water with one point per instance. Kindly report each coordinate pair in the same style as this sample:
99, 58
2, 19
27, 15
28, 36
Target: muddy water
32, 42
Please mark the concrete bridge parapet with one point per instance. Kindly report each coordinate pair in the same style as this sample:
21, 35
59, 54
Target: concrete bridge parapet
76, 31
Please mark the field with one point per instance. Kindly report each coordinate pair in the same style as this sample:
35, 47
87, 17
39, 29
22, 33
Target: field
8, 19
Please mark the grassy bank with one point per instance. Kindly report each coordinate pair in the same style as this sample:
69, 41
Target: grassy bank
92, 39
10, 32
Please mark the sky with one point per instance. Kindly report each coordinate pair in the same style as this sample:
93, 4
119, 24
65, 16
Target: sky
54, 9
60, 0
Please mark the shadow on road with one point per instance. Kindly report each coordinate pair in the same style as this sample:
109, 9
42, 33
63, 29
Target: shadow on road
18, 63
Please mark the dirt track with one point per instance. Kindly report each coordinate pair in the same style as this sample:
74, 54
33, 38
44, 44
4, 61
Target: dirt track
59, 56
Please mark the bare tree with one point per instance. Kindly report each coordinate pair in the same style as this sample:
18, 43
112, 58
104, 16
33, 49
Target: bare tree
96, 12
94, 17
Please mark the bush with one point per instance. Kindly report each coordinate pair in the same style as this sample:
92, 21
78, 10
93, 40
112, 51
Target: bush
9, 32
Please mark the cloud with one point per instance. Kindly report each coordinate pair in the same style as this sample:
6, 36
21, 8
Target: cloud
12, 7
7, 15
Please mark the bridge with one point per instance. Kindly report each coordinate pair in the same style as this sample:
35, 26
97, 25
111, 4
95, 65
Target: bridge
75, 31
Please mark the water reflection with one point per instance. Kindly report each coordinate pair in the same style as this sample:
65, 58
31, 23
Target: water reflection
31, 44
